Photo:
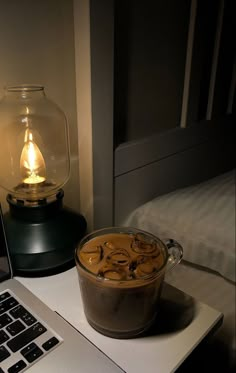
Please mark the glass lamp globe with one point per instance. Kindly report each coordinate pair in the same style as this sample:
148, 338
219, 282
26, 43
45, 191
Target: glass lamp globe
34, 151
34, 165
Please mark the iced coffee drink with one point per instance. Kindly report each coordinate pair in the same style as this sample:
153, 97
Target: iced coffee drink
120, 274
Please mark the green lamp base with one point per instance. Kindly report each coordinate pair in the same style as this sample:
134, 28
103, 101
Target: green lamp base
42, 238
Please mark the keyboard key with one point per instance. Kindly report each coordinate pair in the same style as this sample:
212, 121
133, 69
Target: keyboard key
4, 353
4, 296
4, 320
20, 312
50, 343
20, 365
7, 304
15, 328
25, 337
3, 337
31, 352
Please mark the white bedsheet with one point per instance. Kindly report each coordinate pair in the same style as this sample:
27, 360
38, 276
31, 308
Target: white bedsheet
201, 218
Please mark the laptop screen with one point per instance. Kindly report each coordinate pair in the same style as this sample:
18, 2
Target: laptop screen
5, 271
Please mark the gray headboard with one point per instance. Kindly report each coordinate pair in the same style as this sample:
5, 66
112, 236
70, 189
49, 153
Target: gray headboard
165, 162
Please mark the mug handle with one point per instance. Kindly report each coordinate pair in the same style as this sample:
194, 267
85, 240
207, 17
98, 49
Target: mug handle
175, 253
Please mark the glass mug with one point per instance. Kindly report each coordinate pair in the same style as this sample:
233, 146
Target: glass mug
121, 272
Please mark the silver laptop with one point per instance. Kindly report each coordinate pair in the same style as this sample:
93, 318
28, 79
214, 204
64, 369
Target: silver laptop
34, 338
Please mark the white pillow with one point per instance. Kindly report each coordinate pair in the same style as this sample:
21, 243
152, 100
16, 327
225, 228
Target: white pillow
200, 217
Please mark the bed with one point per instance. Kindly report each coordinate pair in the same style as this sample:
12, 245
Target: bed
202, 218
180, 184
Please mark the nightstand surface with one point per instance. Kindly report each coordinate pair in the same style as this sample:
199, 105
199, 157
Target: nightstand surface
182, 324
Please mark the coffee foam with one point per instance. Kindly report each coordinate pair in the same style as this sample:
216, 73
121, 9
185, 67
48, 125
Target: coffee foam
120, 256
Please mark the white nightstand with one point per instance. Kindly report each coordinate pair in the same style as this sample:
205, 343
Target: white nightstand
182, 325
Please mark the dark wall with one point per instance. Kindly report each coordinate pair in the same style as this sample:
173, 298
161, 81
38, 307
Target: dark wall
150, 58
150, 51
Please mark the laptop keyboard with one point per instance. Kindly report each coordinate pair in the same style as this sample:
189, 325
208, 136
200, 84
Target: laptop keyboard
23, 337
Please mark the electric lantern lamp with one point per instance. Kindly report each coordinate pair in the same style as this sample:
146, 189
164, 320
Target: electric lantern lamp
34, 165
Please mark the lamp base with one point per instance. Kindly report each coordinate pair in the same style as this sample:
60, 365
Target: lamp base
42, 237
